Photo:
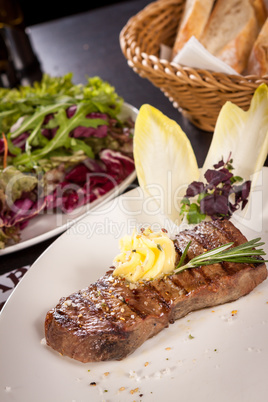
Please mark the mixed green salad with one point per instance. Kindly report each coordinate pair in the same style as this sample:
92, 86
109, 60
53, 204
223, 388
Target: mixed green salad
62, 145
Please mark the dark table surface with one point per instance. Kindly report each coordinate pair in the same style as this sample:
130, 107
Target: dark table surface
87, 44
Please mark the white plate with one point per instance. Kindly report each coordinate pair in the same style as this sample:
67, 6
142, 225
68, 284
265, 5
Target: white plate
43, 227
210, 355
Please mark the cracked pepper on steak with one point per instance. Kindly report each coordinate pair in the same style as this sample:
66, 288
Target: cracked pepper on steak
109, 319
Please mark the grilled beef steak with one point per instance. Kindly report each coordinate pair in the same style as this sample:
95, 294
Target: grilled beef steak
110, 319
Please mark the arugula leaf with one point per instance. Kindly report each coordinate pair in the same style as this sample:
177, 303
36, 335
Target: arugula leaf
30, 122
53, 96
79, 145
62, 138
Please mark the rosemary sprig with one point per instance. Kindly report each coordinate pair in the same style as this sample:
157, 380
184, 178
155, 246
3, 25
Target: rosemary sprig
244, 253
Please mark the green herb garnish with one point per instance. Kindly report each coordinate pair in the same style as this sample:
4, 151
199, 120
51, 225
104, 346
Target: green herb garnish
244, 253
191, 336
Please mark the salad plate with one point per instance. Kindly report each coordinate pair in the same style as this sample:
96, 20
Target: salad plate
45, 226
217, 353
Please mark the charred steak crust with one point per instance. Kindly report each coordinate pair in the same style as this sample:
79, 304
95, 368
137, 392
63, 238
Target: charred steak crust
110, 319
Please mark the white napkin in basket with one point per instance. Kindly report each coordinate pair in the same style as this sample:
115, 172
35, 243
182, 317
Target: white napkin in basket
195, 55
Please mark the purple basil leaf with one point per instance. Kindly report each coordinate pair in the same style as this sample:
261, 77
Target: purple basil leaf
219, 164
211, 205
215, 177
242, 192
244, 203
246, 186
233, 207
196, 187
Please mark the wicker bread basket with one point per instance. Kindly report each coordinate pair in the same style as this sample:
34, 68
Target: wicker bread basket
198, 94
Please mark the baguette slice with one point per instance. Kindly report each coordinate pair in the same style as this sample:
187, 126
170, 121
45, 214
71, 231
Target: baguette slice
260, 7
231, 31
258, 59
193, 21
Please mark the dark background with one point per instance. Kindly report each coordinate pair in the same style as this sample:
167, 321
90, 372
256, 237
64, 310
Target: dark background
36, 12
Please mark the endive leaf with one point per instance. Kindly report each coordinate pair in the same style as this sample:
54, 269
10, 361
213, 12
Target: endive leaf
164, 159
244, 134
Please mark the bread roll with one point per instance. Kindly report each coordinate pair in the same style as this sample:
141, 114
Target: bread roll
193, 21
258, 59
231, 31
